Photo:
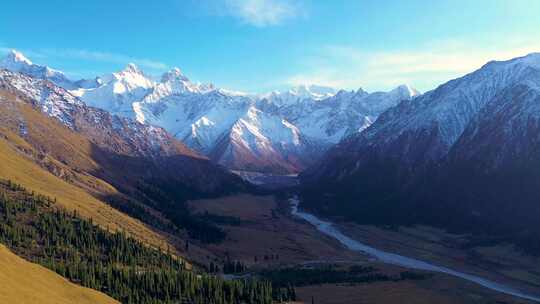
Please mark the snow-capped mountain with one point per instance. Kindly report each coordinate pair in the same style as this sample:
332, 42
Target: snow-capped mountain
118, 144
16, 62
333, 118
297, 94
137, 139
424, 129
463, 154
276, 132
226, 126
117, 91
444, 113
246, 132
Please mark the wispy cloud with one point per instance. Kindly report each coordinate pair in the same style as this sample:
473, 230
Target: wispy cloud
103, 57
30, 53
89, 55
424, 66
262, 13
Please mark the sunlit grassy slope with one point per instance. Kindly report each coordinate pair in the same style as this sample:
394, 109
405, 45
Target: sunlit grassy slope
24, 282
18, 168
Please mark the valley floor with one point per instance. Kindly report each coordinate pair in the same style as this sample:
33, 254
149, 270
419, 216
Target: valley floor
265, 229
498, 262
268, 236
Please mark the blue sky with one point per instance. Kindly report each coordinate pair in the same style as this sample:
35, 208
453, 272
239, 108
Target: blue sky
260, 45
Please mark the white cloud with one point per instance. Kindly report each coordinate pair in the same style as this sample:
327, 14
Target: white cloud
103, 57
88, 55
263, 13
424, 67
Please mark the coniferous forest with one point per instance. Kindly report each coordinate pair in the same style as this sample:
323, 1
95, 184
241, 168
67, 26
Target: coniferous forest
113, 263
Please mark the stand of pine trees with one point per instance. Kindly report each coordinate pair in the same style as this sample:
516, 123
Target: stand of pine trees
328, 274
233, 267
172, 200
124, 268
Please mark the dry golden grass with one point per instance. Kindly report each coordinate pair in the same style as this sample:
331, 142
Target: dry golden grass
23, 282
64, 152
55, 161
47, 134
19, 169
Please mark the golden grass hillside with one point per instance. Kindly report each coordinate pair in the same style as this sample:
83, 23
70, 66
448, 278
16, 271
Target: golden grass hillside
19, 169
62, 151
55, 161
23, 282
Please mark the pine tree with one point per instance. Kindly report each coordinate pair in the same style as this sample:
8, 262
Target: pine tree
113, 263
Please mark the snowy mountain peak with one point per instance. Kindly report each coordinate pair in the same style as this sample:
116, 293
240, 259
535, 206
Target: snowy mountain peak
298, 94
532, 60
115, 92
312, 91
131, 77
342, 93
360, 93
174, 74
15, 61
282, 131
406, 89
16, 57
132, 68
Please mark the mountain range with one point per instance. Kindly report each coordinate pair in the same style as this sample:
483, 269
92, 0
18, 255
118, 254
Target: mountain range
139, 169
452, 157
277, 132
139, 155
464, 156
